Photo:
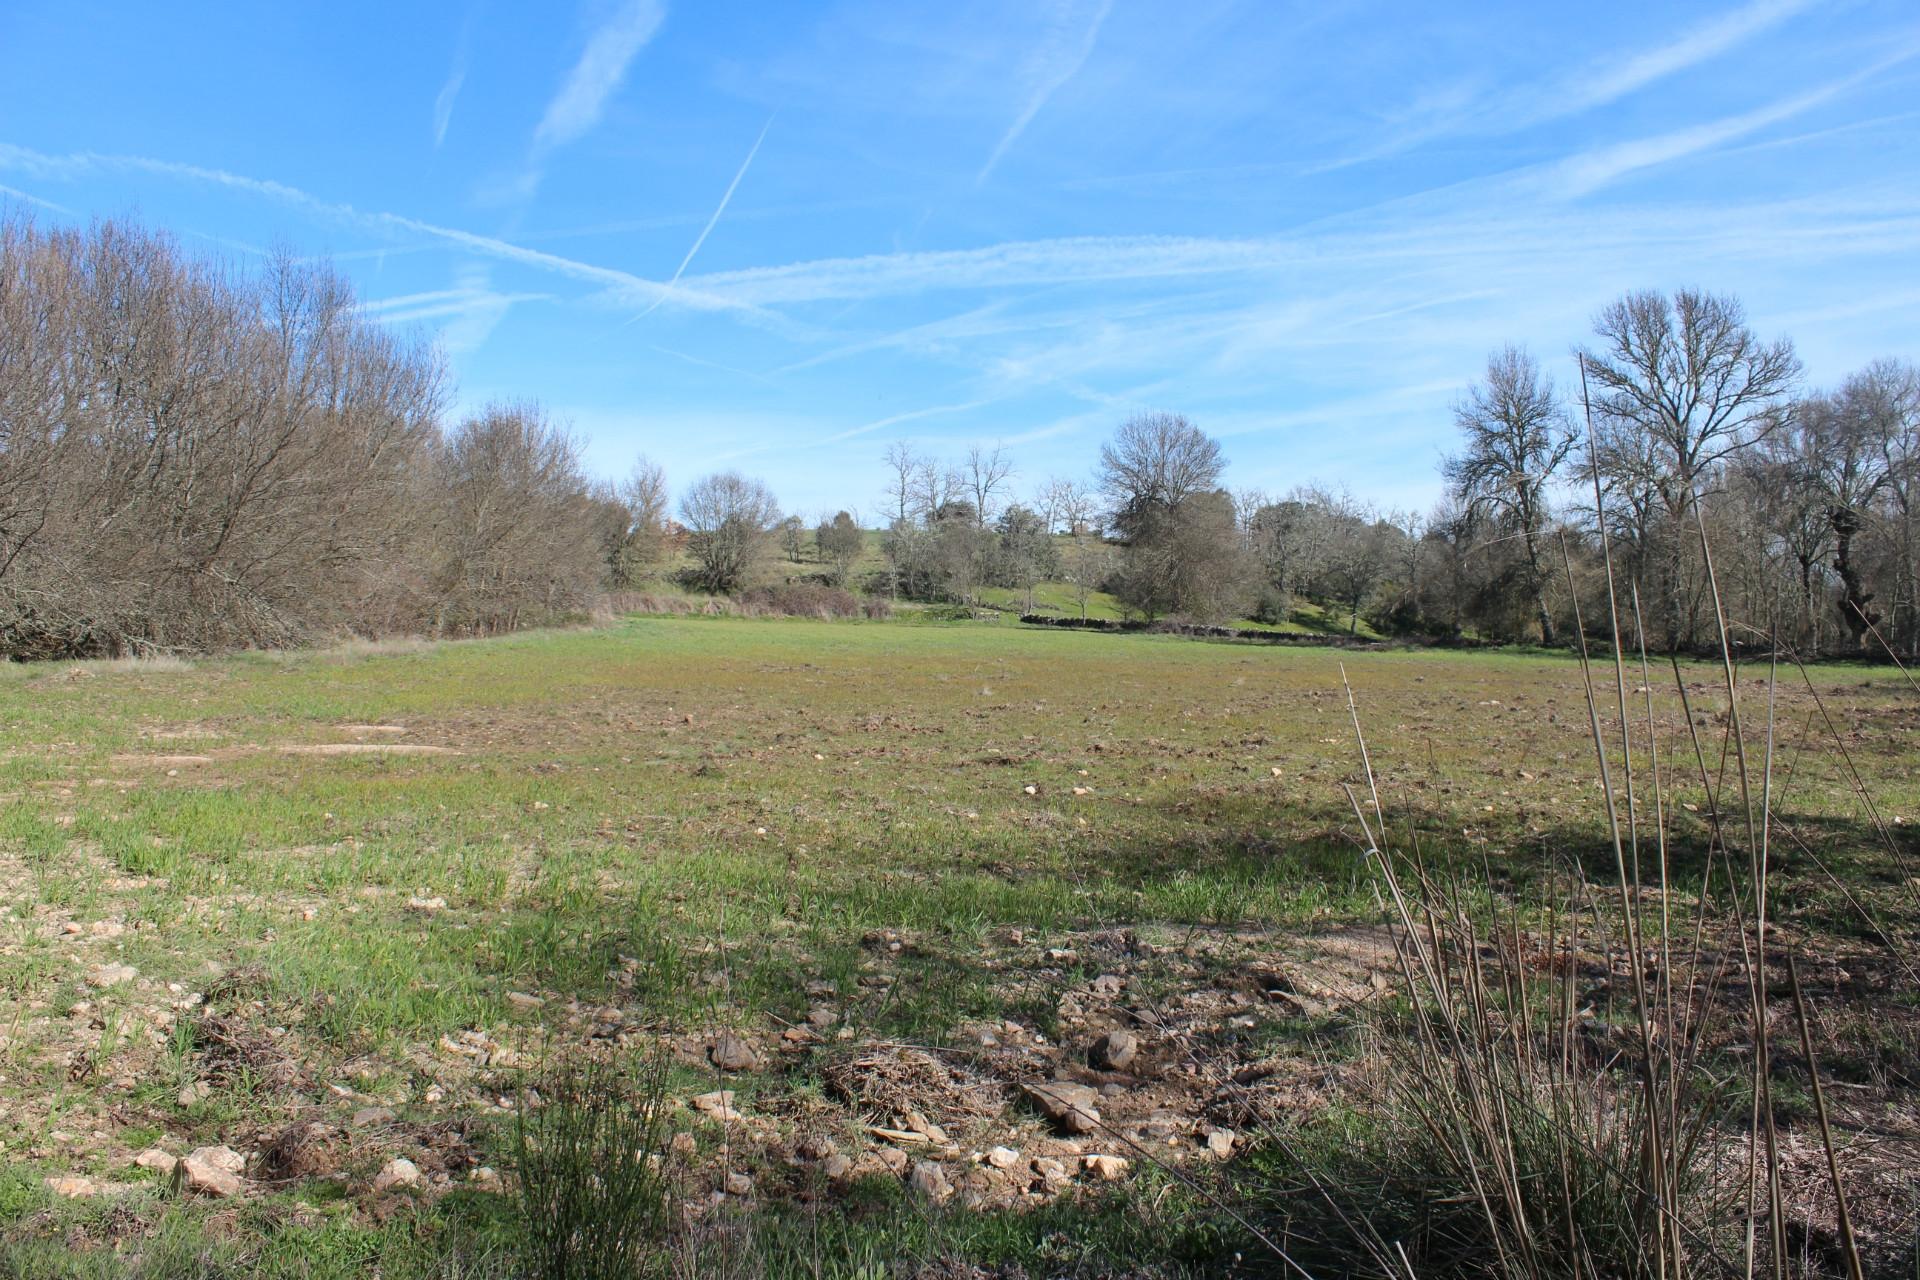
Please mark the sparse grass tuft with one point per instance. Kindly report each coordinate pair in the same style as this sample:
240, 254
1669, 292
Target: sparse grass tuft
591, 1160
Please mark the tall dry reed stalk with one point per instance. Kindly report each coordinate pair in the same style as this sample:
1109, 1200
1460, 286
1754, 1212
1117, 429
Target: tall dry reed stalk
1560, 1087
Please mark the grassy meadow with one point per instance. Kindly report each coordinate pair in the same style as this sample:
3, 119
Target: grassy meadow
335, 908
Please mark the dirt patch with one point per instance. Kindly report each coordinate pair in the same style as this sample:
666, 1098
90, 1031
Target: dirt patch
367, 749
161, 761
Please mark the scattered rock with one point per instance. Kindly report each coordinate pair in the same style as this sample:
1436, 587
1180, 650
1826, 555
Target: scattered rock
1071, 1106
738, 1184
917, 1123
1106, 1168
836, 1167
213, 1171
822, 1016
930, 1180
718, 1105
157, 1160
1220, 1142
907, 1136
71, 1186
894, 1158
197, 1092
1003, 1157
369, 1117
1115, 1051
397, 1174
426, 906
1109, 984
730, 1053
684, 1144
111, 975
1051, 1171
522, 1001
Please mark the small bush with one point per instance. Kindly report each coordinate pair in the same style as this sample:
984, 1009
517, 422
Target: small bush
590, 1144
802, 600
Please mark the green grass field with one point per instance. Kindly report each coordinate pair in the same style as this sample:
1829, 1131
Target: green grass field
402, 877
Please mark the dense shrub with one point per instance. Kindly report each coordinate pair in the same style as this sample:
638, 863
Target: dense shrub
810, 600
194, 457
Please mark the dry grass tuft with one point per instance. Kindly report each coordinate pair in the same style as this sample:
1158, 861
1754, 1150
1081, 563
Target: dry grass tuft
893, 1080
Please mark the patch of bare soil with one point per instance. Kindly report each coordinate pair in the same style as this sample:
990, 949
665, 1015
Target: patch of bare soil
366, 748
161, 761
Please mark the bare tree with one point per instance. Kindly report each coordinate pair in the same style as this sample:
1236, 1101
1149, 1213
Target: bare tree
935, 489
1678, 385
1068, 505
1516, 437
634, 522
645, 493
1155, 461
1087, 564
1778, 481
1848, 460
1894, 425
903, 477
730, 520
193, 457
1689, 375
986, 474
793, 537
513, 534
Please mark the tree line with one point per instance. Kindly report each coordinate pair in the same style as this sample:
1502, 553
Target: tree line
196, 457
1690, 457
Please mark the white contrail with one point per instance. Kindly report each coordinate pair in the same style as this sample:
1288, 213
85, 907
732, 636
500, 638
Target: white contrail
708, 229
623, 285
1061, 56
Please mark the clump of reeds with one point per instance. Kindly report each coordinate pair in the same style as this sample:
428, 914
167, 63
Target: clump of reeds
1563, 1089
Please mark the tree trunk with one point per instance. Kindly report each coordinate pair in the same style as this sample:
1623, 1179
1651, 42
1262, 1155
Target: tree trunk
1539, 589
1853, 600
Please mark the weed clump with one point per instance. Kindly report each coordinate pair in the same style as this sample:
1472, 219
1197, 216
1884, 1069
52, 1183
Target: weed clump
595, 1192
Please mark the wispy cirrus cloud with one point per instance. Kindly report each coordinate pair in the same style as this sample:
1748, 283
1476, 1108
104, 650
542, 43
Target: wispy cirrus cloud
1591, 170
450, 88
602, 65
14, 193
1072, 28
1610, 81
443, 103
474, 297
1462, 109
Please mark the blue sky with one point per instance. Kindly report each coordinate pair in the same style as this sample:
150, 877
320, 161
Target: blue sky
780, 236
